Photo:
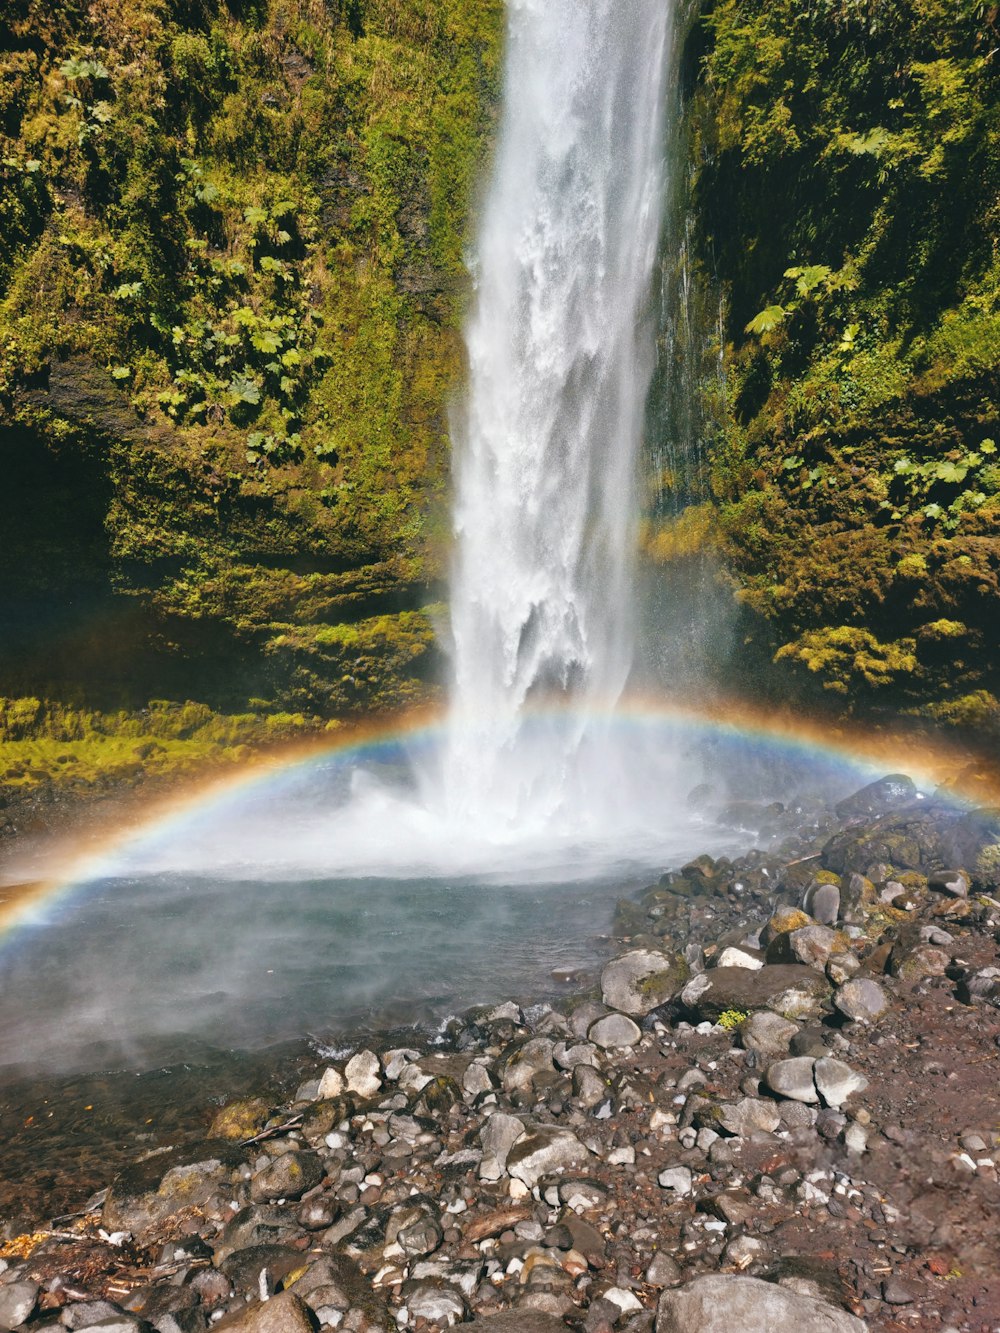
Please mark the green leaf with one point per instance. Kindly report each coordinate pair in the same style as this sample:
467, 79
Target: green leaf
902, 467
987, 447
121, 372
951, 472
244, 389
266, 341
932, 511
255, 216
766, 320
809, 278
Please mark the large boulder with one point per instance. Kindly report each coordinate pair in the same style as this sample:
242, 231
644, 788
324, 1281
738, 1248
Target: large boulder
789, 989
878, 798
720, 1303
643, 979
150, 1191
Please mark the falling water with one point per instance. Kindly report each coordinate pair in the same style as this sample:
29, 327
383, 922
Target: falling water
560, 358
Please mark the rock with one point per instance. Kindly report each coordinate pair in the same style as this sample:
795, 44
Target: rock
840, 967
675, 1178
287, 1177
569, 1056
953, 883
286, 1313
768, 1035
822, 901
861, 1000
255, 1226
589, 1086
720, 1303
498, 1136
522, 1062
240, 1120
878, 798
897, 1292
922, 961
17, 1300
150, 1191
788, 989
837, 1081
542, 1150
120, 1323
908, 841
640, 981
363, 1074
260, 1267
518, 1321
331, 1084
785, 920
663, 1270
614, 1032
85, 1314
439, 1303
735, 955
422, 1236
750, 1116
811, 945
793, 1079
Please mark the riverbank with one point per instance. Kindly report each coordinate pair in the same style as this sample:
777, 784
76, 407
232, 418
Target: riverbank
757, 1113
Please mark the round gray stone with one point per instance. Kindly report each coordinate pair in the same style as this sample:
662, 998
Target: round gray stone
861, 1000
793, 1079
614, 1032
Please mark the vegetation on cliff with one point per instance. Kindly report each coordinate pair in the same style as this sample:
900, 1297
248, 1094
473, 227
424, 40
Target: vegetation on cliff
231, 278
847, 197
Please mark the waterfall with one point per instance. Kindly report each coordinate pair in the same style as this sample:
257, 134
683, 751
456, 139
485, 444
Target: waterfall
560, 354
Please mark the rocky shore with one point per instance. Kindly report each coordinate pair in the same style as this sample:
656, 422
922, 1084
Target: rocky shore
778, 1110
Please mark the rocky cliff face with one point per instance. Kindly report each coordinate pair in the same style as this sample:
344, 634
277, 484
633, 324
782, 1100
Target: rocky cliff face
231, 284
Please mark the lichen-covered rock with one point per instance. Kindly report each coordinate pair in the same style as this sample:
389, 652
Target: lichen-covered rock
151, 1191
287, 1177
641, 980
789, 989
240, 1120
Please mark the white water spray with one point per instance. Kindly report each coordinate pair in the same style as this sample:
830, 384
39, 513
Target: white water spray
560, 357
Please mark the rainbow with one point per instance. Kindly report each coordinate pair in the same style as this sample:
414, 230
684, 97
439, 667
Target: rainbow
862, 753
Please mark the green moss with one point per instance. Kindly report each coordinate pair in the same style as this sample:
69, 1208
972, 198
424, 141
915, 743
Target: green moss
231, 276
846, 188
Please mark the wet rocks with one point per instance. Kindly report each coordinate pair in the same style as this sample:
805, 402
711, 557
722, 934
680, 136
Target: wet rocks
539, 1168
362, 1074
879, 797
498, 1136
